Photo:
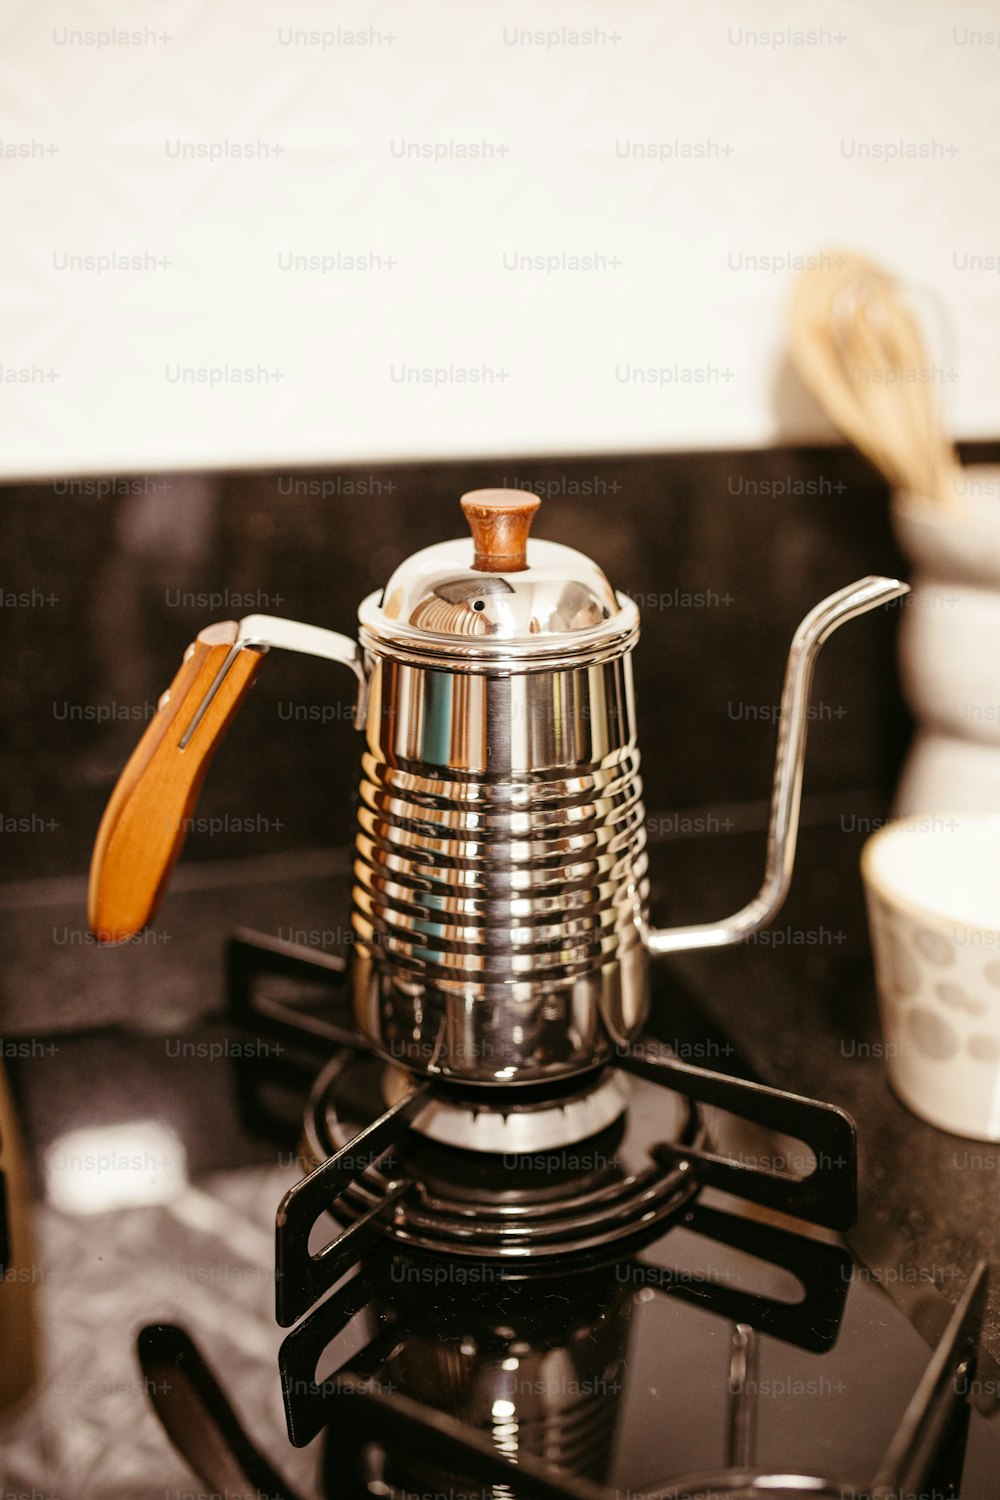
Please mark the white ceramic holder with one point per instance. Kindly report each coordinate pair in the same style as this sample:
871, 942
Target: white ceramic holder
949, 645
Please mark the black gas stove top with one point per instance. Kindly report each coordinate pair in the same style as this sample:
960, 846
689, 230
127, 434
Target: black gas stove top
634, 1378
665, 1306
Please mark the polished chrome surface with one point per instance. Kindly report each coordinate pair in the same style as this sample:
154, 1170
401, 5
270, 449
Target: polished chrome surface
499, 860
500, 879
262, 633
543, 1126
501, 844
308, 640
514, 733
743, 1386
501, 873
268, 631
817, 627
468, 651
439, 591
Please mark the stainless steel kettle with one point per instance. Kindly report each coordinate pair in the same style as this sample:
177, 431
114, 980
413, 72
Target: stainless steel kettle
500, 875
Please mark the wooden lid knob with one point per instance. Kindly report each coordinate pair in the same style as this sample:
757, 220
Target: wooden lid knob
500, 521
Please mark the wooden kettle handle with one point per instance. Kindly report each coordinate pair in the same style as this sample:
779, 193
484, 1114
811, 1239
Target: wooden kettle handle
147, 819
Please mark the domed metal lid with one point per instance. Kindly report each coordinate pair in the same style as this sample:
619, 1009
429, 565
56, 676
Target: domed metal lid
498, 586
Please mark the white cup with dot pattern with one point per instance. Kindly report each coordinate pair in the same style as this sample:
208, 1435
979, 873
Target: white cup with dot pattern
933, 889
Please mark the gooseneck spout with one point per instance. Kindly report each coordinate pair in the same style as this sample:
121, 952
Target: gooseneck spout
793, 724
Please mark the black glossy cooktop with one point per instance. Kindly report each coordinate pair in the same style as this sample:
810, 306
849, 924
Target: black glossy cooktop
732, 1335
689, 1357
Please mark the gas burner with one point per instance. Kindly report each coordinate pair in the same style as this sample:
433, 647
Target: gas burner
539, 1118
516, 1205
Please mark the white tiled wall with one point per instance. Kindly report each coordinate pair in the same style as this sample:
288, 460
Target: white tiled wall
758, 135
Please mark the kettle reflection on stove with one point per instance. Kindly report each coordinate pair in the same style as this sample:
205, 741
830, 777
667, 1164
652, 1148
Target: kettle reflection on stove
537, 1372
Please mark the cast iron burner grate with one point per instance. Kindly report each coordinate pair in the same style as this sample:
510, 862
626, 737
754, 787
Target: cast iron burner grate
379, 1177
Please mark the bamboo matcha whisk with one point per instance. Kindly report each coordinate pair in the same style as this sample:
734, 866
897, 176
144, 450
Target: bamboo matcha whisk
859, 348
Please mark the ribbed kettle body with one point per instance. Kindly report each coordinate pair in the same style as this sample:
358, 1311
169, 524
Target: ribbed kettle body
500, 869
